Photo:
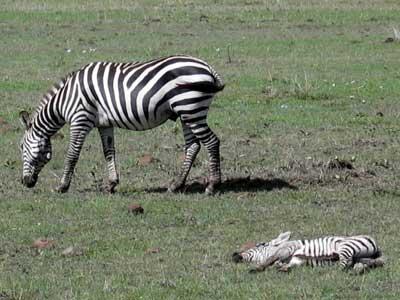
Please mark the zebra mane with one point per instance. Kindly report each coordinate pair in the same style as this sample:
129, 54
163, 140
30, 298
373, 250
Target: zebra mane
51, 93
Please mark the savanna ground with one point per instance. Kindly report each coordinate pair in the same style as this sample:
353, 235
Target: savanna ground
309, 125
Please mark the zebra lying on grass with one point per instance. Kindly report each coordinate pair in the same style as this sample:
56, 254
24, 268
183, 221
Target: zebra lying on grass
135, 96
357, 252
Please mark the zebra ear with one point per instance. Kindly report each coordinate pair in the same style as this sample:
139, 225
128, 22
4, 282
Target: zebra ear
25, 120
283, 237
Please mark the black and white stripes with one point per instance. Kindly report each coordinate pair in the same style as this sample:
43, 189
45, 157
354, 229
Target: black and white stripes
286, 253
135, 96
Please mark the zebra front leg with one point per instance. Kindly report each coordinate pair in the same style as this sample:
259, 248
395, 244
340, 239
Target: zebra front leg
211, 142
107, 140
266, 263
77, 137
279, 259
192, 148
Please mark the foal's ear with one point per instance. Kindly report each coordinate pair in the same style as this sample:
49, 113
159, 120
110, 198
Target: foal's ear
25, 120
283, 237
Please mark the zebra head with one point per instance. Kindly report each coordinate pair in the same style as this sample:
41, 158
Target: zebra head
262, 252
36, 152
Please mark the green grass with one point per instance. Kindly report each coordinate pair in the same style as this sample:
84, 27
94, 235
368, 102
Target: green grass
307, 81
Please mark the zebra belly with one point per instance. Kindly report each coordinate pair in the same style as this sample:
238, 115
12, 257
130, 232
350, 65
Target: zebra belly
315, 253
138, 122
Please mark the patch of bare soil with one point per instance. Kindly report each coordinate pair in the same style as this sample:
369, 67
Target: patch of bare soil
145, 160
331, 172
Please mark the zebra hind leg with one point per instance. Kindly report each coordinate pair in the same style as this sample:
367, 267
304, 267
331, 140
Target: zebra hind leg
211, 142
107, 140
346, 258
192, 148
78, 134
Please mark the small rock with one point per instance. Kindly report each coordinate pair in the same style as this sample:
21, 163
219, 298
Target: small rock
72, 251
43, 244
153, 250
135, 209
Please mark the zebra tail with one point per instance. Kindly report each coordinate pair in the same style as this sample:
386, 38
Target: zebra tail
205, 86
377, 254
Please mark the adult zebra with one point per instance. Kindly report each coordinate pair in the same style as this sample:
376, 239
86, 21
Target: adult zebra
360, 252
135, 96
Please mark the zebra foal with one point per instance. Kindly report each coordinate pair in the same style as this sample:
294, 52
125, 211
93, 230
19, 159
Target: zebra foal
135, 96
358, 252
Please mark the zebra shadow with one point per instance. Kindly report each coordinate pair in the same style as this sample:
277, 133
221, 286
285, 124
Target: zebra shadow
233, 184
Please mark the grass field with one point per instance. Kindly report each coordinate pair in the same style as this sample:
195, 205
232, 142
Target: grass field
307, 82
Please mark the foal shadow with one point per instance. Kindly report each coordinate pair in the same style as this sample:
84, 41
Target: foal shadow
234, 184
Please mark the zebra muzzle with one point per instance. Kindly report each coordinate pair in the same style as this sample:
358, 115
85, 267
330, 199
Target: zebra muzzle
29, 181
237, 257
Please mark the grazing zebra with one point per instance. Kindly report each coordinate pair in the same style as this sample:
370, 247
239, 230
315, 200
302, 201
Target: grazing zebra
135, 96
360, 252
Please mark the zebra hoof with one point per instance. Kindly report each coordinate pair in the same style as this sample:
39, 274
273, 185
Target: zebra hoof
359, 269
211, 188
110, 187
175, 187
210, 191
61, 189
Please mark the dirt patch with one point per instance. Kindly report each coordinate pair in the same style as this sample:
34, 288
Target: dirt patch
332, 172
145, 160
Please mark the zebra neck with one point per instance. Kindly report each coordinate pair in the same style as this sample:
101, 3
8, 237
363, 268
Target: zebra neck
47, 121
